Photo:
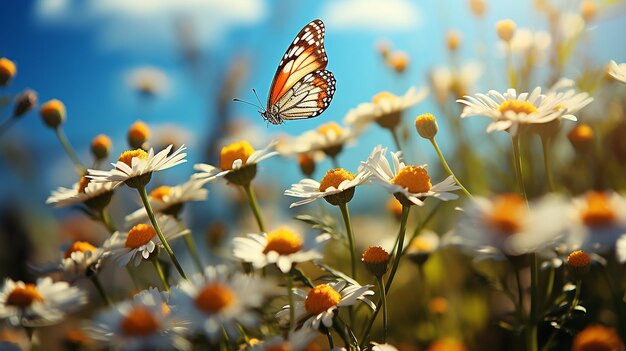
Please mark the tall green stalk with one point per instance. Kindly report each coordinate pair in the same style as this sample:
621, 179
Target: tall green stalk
254, 206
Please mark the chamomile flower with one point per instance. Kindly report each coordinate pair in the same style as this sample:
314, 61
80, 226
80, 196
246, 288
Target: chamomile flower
35, 305
329, 138
282, 247
422, 246
146, 323
620, 249
319, 305
170, 200
511, 111
298, 340
141, 240
217, 301
94, 195
135, 167
238, 163
80, 260
618, 71
410, 184
336, 187
385, 109
383, 347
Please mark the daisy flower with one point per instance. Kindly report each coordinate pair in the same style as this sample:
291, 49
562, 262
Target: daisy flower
383, 347
135, 167
410, 184
422, 246
319, 305
620, 249
146, 323
217, 301
298, 340
385, 109
329, 138
618, 71
140, 241
282, 247
510, 111
81, 260
35, 305
238, 163
336, 187
170, 200
94, 195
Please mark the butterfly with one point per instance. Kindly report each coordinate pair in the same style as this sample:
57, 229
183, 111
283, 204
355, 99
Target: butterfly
302, 87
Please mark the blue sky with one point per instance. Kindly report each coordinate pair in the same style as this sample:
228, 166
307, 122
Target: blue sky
82, 52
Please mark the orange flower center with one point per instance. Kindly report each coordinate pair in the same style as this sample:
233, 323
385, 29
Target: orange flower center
578, 259
394, 206
23, 297
82, 185
139, 131
321, 298
517, 106
139, 235
421, 245
330, 127
438, 305
215, 297
160, 192
127, 156
101, 142
139, 322
280, 347
284, 241
80, 246
598, 212
236, 151
582, 133
375, 254
334, 177
507, 213
413, 178
384, 96
597, 338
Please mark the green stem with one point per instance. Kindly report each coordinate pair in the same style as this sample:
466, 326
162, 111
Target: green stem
447, 168
254, 206
159, 270
7, 124
334, 161
534, 303
346, 220
545, 144
246, 339
80, 169
292, 312
103, 294
106, 220
518, 165
383, 296
396, 140
564, 317
520, 296
331, 344
157, 228
509, 66
193, 250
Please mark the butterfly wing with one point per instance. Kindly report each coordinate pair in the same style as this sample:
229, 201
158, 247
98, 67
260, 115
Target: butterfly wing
308, 97
305, 55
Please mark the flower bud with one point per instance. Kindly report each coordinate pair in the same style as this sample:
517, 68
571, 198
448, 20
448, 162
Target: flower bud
453, 40
506, 29
477, 7
7, 71
307, 164
399, 61
101, 147
375, 259
25, 102
581, 137
578, 263
138, 135
426, 126
53, 113
588, 10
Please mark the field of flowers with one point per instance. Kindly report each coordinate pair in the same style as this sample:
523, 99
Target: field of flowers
516, 245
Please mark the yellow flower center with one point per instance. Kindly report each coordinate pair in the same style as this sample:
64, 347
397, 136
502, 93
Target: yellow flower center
127, 156
280, 347
321, 298
421, 245
517, 106
581, 134
447, 345
139, 132
101, 142
375, 254
284, 241
81, 246
597, 338
23, 297
507, 213
7, 67
82, 185
329, 127
578, 259
306, 163
165, 309
139, 322
413, 178
139, 235
236, 151
394, 206
598, 211
215, 297
334, 177
399, 61
384, 96
160, 193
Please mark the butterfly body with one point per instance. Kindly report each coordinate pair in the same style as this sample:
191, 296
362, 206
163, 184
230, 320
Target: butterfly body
302, 87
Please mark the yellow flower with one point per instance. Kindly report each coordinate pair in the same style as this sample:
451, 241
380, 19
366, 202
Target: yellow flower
506, 29
138, 134
53, 113
7, 70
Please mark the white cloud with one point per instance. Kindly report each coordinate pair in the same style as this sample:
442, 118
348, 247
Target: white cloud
150, 24
386, 15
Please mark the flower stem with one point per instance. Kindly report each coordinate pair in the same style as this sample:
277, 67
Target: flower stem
396, 140
509, 66
447, 168
292, 312
254, 206
534, 303
193, 250
383, 296
331, 344
346, 220
334, 161
157, 228
7, 124
80, 169
106, 220
159, 269
518, 166
100, 288
545, 144
564, 317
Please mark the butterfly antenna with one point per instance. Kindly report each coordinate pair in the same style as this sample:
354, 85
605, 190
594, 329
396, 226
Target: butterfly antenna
245, 102
257, 98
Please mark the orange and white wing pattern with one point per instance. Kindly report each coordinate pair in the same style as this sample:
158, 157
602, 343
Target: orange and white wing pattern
308, 97
304, 56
